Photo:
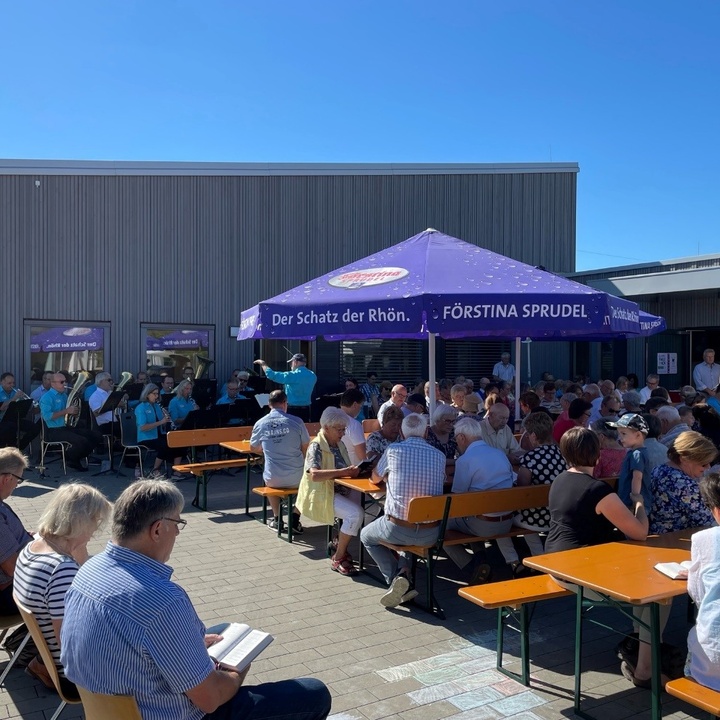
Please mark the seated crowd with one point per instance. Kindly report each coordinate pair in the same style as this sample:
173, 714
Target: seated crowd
619, 461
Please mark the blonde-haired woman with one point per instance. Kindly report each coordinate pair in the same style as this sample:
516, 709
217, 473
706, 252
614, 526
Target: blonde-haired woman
46, 567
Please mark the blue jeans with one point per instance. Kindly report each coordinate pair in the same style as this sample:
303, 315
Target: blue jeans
383, 529
301, 699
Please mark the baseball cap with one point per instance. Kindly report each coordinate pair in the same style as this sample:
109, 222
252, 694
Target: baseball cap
299, 357
632, 421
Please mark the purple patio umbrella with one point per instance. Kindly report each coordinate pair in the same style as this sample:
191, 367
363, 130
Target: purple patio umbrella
434, 284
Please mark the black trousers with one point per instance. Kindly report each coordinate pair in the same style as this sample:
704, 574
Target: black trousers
28, 431
160, 446
82, 441
301, 411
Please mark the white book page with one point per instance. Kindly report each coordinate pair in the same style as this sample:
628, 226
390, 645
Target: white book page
231, 635
675, 571
262, 399
247, 649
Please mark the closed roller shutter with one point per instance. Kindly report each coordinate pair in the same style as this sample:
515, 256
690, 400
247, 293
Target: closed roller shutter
400, 361
473, 358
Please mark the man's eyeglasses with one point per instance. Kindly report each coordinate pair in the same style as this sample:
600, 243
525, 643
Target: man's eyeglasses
180, 523
19, 478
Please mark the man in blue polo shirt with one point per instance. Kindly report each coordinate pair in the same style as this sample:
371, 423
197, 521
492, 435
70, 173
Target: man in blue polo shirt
53, 410
299, 383
18, 428
129, 630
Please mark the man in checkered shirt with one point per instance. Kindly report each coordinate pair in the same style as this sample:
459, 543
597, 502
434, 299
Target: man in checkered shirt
411, 468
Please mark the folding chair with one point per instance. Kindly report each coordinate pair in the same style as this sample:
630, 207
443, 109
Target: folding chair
47, 658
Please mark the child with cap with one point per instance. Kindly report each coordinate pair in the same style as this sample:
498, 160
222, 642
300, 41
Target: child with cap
635, 471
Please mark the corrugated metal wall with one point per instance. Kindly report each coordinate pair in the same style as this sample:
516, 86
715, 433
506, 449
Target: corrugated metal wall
172, 249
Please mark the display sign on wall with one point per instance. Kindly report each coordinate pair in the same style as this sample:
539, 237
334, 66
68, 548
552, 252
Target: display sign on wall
667, 363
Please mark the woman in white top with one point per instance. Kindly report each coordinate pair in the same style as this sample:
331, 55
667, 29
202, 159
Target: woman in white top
703, 660
46, 567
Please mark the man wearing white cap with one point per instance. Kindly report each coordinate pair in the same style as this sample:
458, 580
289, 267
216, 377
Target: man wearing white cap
299, 383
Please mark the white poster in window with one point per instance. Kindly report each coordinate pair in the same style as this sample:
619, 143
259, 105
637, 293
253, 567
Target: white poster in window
667, 363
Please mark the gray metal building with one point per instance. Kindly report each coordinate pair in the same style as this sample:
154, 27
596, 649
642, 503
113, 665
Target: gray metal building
685, 292
141, 250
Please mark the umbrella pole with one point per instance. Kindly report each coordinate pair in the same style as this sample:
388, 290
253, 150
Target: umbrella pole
431, 371
518, 362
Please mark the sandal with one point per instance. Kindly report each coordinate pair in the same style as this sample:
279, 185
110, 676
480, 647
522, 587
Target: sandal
343, 565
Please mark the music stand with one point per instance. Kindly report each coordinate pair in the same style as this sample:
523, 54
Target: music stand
202, 419
134, 391
165, 399
111, 404
244, 409
204, 392
16, 411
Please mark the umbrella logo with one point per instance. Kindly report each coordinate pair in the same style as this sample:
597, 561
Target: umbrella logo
365, 278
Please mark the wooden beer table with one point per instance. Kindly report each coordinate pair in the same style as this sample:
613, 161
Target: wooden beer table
619, 573
364, 486
242, 446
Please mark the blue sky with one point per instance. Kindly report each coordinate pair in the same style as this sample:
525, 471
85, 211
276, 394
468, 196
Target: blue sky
628, 89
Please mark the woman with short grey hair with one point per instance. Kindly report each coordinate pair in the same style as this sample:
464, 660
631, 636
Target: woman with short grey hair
319, 498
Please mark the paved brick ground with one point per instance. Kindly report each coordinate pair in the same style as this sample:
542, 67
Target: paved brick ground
399, 664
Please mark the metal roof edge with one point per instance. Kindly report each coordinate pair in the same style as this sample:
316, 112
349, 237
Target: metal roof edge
129, 167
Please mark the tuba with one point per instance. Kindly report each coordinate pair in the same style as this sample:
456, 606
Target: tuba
126, 378
204, 364
75, 397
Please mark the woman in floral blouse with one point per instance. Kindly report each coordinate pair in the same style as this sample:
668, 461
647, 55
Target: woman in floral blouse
676, 494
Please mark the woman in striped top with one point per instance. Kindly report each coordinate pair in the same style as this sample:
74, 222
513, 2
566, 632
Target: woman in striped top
46, 567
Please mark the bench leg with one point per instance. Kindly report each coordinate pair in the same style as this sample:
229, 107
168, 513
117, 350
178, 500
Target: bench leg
578, 647
522, 616
290, 506
201, 482
247, 487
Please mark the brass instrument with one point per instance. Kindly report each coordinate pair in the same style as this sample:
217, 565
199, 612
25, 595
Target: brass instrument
75, 397
126, 378
204, 364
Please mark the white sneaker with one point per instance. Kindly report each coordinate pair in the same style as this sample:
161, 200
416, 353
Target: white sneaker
398, 588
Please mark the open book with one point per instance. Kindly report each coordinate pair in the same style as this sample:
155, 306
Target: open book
239, 647
675, 571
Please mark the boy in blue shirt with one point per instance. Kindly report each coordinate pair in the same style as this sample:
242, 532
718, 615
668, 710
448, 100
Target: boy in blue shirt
635, 471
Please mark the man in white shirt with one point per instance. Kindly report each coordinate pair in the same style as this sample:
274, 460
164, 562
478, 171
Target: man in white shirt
496, 433
706, 375
504, 370
351, 403
105, 384
398, 396
651, 383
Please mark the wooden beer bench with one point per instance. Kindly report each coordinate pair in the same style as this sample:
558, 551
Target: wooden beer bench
441, 508
202, 470
694, 693
288, 494
511, 599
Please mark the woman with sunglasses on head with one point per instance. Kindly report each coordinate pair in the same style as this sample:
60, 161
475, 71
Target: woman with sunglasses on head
46, 567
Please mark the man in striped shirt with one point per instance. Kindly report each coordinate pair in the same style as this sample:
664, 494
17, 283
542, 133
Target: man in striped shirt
129, 630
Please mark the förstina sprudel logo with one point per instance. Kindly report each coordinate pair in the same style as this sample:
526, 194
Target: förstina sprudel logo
365, 278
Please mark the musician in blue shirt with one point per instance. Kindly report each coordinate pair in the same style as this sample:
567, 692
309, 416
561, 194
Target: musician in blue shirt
152, 420
53, 411
299, 383
182, 403
229, 398
15, 429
